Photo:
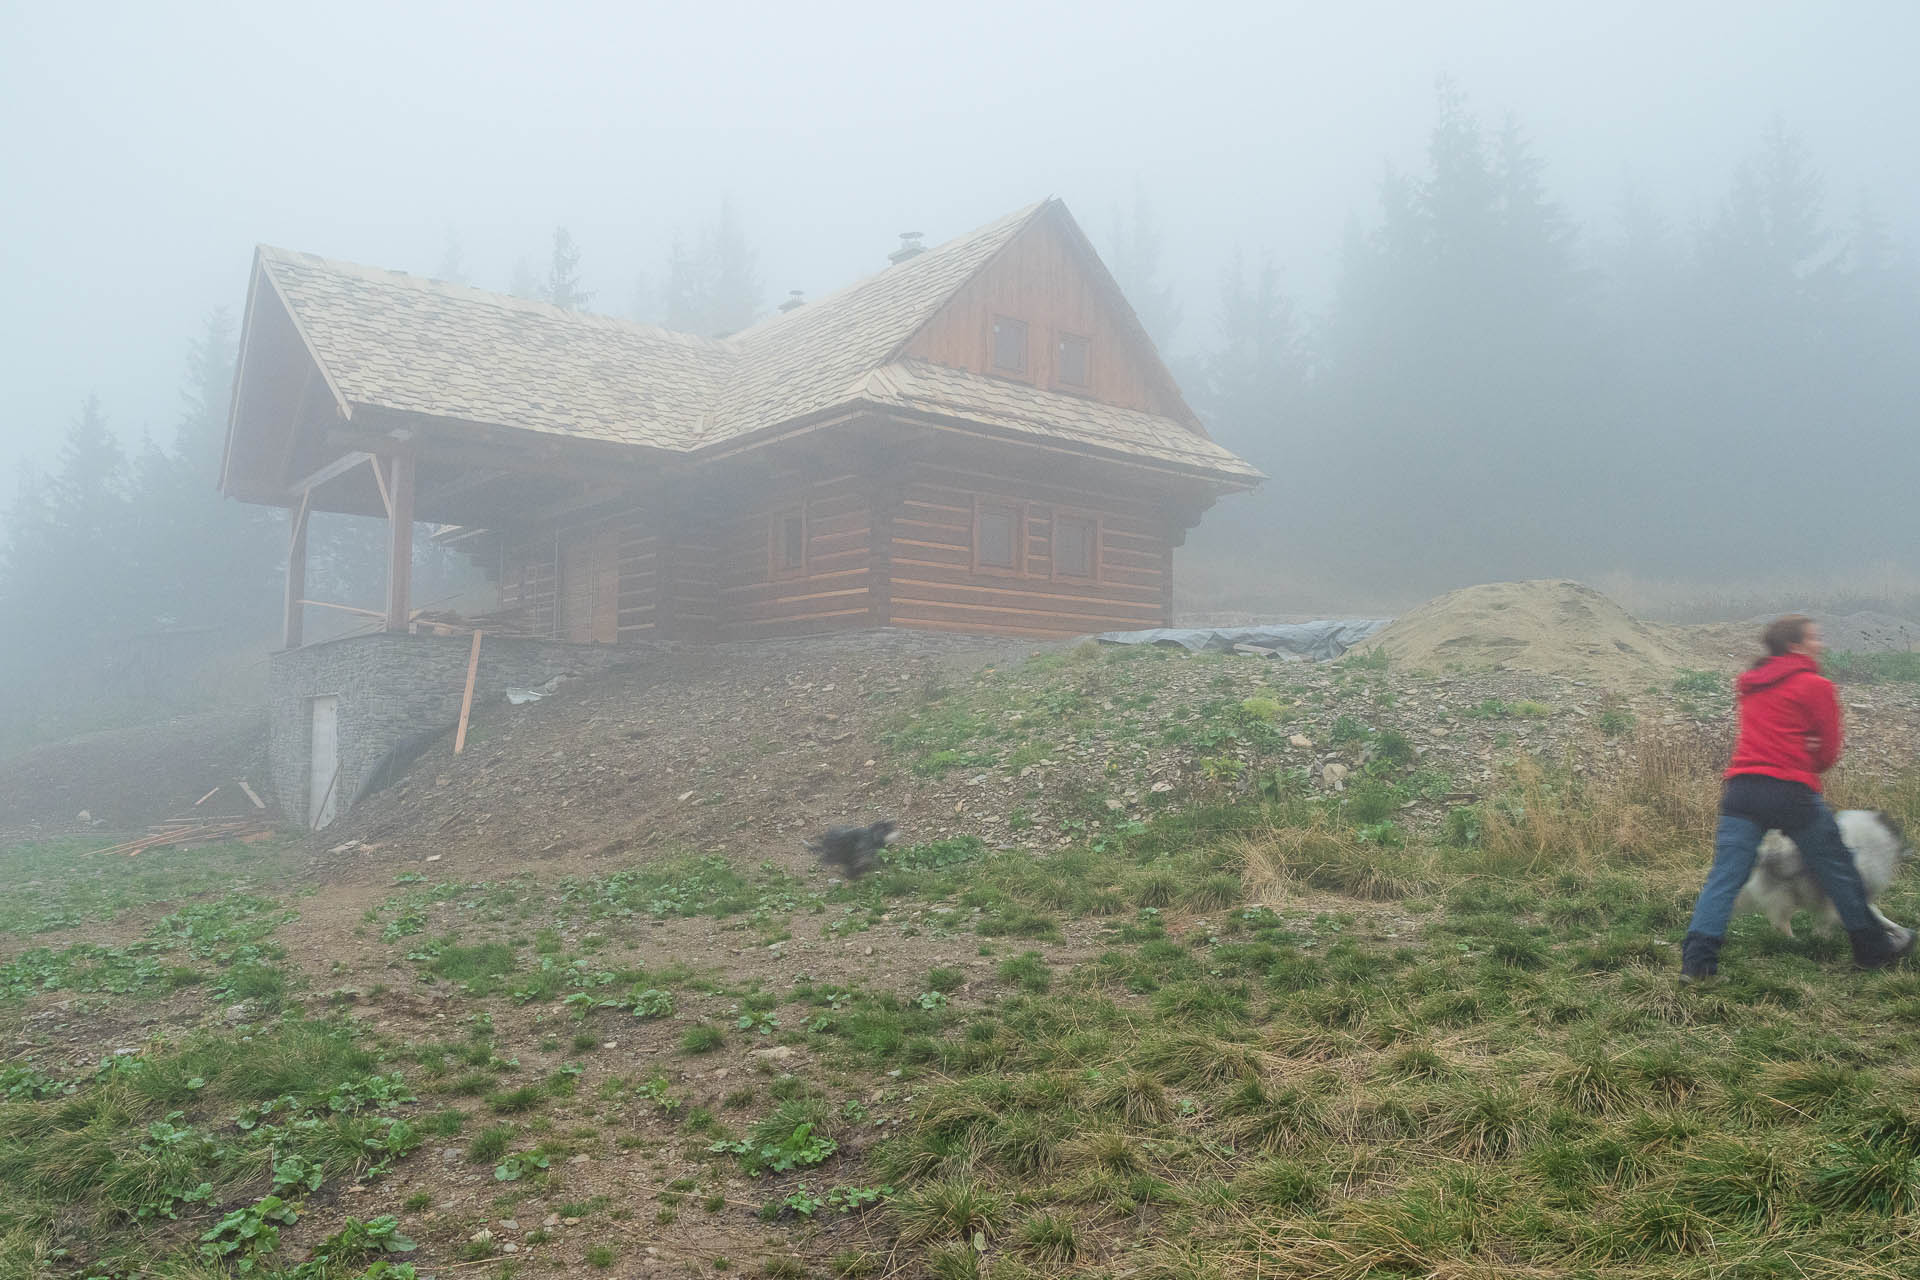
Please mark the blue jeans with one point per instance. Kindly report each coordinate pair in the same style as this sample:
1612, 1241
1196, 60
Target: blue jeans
1737, 842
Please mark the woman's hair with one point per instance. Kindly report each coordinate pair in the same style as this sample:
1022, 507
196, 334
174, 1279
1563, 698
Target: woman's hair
1784, 633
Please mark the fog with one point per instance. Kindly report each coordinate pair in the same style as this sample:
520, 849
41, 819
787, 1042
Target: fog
145, 149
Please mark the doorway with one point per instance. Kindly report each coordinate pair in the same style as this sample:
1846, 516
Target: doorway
323, 774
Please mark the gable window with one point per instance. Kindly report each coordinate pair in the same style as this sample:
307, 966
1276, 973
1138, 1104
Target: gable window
999, 544
1076, 547
1073, 361
787, 542
1009, 345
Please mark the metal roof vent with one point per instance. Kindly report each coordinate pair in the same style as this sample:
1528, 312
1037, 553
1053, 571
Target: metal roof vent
795, 300
910, 247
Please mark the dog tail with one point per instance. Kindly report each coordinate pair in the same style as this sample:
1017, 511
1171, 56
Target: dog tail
1892, 824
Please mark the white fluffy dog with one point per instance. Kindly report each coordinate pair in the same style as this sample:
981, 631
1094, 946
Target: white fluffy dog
1782, 883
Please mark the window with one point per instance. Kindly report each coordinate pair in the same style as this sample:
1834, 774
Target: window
998, 546
1072, 361
1076, 547
1009, 345
787, 543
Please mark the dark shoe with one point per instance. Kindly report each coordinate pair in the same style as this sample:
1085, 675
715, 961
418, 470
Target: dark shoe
1875, 948
1699, 958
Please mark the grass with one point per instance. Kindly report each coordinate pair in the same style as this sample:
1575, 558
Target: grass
1518, 1077
57, 884
1295, 1033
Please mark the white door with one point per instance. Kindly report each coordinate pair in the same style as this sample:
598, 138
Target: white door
323, 781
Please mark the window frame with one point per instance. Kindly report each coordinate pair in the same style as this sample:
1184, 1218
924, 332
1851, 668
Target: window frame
778, 571
1017, 511
1060, 338
1096, 537
1025, 372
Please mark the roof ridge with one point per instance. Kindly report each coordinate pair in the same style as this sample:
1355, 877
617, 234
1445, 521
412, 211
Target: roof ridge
926, 260
456, 291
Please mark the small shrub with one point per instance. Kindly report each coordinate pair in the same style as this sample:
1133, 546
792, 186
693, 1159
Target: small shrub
1049, 1239
1028, 971
702, 1038
945, 981
490, 1144
951, 1209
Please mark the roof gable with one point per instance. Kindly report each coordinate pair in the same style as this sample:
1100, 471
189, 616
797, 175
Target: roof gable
1049, 279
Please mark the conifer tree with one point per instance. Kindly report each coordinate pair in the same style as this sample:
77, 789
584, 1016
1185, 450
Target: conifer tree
563, 288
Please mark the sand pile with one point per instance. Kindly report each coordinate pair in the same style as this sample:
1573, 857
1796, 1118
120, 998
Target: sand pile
1552, 627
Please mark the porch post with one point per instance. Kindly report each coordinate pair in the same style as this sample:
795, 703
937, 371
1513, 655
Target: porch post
399, 541
296, 575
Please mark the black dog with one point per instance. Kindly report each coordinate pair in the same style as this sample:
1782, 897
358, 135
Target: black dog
852, 849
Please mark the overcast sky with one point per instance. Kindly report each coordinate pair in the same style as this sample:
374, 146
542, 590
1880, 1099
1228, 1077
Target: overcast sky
144, 149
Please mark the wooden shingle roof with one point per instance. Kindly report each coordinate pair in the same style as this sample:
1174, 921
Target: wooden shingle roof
393, 341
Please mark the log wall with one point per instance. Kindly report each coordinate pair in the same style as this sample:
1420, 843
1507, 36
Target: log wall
530, 578
830, 591
932, 582
898, 552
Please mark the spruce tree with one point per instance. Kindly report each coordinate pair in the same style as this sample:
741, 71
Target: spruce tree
563, 288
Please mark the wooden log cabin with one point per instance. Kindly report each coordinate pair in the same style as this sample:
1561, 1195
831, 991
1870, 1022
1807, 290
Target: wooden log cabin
980, 437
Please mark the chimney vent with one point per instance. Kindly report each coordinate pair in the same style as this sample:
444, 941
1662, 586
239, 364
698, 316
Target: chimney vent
910, 247
795, 300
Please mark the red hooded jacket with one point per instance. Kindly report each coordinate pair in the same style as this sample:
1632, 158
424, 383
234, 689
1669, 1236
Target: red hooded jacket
1789, 720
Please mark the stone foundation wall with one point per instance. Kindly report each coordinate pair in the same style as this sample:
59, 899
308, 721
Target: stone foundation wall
394, 687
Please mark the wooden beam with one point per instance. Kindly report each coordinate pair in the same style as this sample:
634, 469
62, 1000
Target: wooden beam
291, 635
344, 608
399, 541
320, 475
466, 699
386, 493
564, 457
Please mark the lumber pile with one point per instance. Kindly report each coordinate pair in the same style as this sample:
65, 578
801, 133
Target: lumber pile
445, 622
200, 829
175, 832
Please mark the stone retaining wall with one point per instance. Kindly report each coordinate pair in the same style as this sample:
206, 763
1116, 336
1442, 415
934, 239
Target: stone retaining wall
394, 687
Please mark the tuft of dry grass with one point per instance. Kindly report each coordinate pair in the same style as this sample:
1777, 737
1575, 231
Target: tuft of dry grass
1281, 861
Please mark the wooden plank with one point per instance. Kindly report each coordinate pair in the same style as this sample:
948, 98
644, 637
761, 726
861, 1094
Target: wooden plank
1166, 584
400, 542
800, 606
786, 585
885, 509
258, 803
932, 531
1008, 597
203, 799
953, 484
910, 604
1066, 588
292, 627
332, 470
344, 608
466, 698
968, 628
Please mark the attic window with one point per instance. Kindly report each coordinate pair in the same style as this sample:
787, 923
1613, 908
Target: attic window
1072, 361
787, 543
1009, 345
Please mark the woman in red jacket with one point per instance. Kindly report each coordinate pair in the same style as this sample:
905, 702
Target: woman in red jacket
1789, 736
